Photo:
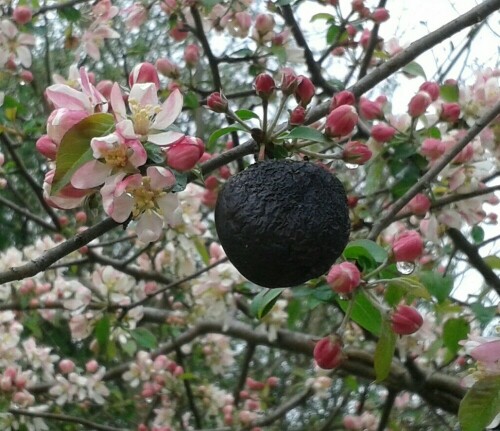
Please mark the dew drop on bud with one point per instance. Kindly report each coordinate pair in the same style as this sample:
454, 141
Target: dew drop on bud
351, 166
405, 268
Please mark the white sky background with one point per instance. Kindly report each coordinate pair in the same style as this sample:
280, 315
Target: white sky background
411, 20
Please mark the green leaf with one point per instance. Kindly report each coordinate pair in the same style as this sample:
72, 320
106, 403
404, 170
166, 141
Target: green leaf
246, 114
181, 179
409, 287
364, 313
155, 153
202, 249
454, 330
414, 69
308, 134
365, 248
449, 93
191, 100
102, 330
326, 16
480, 405
332, 33
279, 52
69, 13
477, 234
293, 309
279, 152
75, 150
438, 286
375, 177
492, 261
144, 338
222, 132
384, 351
483, 314
264, 301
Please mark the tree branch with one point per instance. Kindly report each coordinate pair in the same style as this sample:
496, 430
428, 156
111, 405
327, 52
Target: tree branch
418, 47
313, 67
53, 255
64, 418
480, 124
29, 179
475, 259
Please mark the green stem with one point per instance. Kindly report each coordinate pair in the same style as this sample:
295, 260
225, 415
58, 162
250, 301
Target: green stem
278, 114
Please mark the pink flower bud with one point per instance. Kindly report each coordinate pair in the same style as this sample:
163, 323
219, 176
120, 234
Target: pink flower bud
450, 112
211, 182
338, 51
26, 76
273, 381
264, 85
46, 147
341, 121
343, 278
289, 81
380, 15
185, 153
279, 39
254, 385
406, 320
352, 201
432, 148
142, 427
217, 102
66, 366
419, 205
352, 422
91, 366
298, 116
343, 97
179, 32
191, 55
264, 23
6, 383
81, 217
104, 87
305, 90
167, 68
369, 110
144, 73
382, 132
356, 152
364, 40
22, 15
23, 399
408, 246
431, 88
358, 5
419, 104
328, 353
20, 381
351, 30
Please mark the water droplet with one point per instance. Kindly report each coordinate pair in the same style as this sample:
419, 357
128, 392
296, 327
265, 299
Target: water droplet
405, 268
351, 166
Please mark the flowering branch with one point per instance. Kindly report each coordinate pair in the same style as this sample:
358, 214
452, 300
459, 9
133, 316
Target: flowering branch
29, 179
475, 259
480, 124
53, 255
64, 418
418, 47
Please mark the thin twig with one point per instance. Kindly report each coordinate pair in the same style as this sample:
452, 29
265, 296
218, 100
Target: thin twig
429, 176
65, 418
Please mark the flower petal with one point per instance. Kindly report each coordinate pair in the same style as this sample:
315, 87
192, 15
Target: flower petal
117, 103
63, 96
161, 178
149, 227
144, 94
165, 138
487, 352
170, 110
90, 175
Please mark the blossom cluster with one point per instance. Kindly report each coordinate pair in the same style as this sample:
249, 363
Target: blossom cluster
131, 185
